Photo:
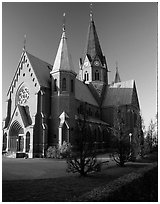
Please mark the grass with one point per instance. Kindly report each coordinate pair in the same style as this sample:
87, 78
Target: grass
64, 188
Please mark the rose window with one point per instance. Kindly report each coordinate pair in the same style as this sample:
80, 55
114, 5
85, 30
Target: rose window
23, 95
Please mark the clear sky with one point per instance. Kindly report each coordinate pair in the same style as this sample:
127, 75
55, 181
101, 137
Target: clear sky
127, 34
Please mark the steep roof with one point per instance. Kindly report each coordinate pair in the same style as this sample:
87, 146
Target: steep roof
119, 94
42, 70
83, 93
63, 60
93, 47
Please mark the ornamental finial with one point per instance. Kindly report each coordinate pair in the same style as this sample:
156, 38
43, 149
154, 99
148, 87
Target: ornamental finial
116, 66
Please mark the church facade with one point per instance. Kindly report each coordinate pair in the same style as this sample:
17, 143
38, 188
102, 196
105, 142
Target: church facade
44, 101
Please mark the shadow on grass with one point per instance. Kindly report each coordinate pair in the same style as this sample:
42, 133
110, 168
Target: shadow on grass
60, 189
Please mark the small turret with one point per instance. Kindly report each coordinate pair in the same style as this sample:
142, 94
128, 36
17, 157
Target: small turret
117, 76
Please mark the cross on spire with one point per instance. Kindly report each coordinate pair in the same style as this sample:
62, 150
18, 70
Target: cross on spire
24, 43
64, 22
91, 12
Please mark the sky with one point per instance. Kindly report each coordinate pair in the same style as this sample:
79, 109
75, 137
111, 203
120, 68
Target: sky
127, 33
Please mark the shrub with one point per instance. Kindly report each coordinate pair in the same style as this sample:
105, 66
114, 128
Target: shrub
59, 152
51, 152
64, 149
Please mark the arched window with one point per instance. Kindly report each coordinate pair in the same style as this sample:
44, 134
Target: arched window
27, 141
55, 85
96, 75
72, 85
64, 84
86, 76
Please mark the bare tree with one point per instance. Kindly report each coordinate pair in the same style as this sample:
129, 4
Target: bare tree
82, 158
121, 141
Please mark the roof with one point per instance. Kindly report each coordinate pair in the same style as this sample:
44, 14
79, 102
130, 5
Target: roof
91, 120
123, 84
96, 120
83, 93
119, 94
63, 59
42, 70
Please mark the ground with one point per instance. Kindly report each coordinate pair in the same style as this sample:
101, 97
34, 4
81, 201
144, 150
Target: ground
46, 179
22, 169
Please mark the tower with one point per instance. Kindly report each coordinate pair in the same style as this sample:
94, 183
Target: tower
93, 67
63, 94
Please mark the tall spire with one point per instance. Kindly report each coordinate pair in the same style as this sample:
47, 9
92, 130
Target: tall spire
117, 76
63, 60
93, 47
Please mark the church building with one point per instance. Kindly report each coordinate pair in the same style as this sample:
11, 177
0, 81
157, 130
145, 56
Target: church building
45, 101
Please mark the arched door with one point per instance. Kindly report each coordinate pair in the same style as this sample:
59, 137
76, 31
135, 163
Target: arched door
16, 140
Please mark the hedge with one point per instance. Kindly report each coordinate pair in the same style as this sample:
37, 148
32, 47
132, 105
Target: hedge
137, 186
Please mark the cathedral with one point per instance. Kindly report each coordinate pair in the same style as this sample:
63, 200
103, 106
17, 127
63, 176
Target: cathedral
45, 101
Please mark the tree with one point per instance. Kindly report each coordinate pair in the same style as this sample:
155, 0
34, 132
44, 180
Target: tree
121, 141
138, 135
82, 159
151, 138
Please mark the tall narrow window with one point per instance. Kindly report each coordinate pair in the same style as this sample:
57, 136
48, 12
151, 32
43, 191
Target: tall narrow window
64, 84
72, 86
27, 141
86, 76
55, 85
97, 75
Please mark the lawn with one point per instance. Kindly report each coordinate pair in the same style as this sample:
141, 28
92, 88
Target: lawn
63, 188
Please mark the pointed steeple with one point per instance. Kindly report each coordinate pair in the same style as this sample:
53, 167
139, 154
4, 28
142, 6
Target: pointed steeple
117, 76
93, 47
63, 60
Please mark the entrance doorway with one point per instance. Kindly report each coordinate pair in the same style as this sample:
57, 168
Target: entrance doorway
16, 140
20, 143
